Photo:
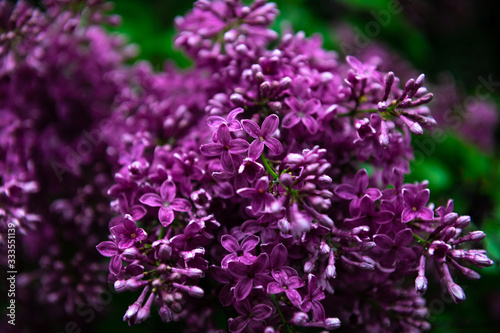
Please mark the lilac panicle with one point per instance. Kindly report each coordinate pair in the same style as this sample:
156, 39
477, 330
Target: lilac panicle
276, 173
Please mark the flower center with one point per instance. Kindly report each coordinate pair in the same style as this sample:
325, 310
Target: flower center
261, 191
133, 235
414, 209
227, 147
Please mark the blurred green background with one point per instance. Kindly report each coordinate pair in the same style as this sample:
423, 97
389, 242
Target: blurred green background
435, 36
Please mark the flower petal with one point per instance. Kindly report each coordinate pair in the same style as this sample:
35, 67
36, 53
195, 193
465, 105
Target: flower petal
211, 149
230, 243
249, 243
238, 146
151, 200
270, 125
166, 216
290, 120
383, 241
251, 128
243, 288
223, 135
274, 145
107, 248
404, 237
168, 190
256, 149
180, 205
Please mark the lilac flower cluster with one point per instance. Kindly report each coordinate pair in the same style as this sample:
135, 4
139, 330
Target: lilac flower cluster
259, 187
268, 179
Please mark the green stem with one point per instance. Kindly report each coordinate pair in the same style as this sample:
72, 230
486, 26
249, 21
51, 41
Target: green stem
162, 233
420, 239
269, 168
276, 304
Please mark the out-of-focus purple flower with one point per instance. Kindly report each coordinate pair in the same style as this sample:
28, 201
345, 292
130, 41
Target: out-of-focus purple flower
396, 248
301, 112
251, 317
357, 191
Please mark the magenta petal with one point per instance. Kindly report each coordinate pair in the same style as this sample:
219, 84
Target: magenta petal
293, 103
229, 243
227, 162
278, 256
226, 295
115, 264
274, 145
310, 123
318, 311
257, 204
243, 288
294, 296
261, 312
137, 212
404, 237
166, 216
125, 243
383, 241
270, 125
223, 135
211, 149
118, 230
168, 190
290, 120
238, 146
247, 192
406, 254
361, 180
261, 263
251, 128
180, 205
274, 288
426, 213
346, 191
422, 197
311, 106
107, 248
237, 269
238, 324
256, 149
215, 121
408, 215
151, 199
383, 217
249, 243
373, 193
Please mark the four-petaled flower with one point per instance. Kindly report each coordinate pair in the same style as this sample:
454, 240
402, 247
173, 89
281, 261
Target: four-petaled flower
226, 147
357, 191
127, 233
397, 248
249, 276
263, 136
288, 285
258, 193
240, 253
313, 298
301, 112
415, 206
168, 202
250, 317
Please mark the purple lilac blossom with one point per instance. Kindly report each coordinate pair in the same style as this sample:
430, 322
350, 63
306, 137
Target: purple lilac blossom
296, 235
